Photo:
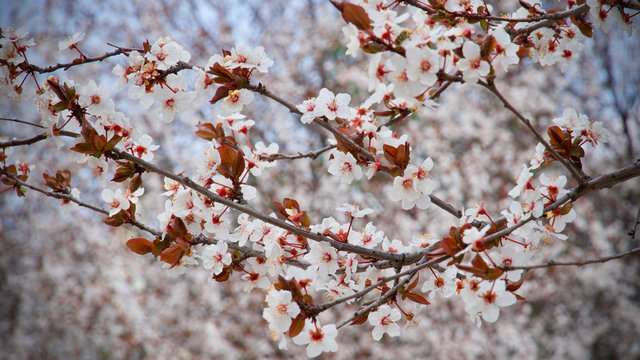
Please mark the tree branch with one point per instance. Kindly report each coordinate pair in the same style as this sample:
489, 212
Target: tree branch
572, 263
43, 70
577, 174
312, 154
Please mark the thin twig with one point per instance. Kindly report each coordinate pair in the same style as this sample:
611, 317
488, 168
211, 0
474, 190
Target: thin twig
312, 154
378, 302
572, 263
67, 197
20, 142
43, 70
578, 175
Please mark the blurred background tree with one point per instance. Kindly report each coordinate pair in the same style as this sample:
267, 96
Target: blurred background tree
71, 289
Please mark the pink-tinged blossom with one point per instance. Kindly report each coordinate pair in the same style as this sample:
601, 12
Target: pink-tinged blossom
597, 133
384, 320
353, 210
395, 246
143, 147
402, 86
235, 101
99, 168
323, 257
308, 110
96, 99
443, 284
344, 166
247, 58
468, 6
423, 65
167, 53
572, 121
532, 202
488, 300
255, 275
552, 187
523, 181
473, 67
376, 71
506, 50
473, 238
242, 126
511, 255
331, 106
256, 163
318, 339
171, 187
70, 41
538, 157
171, 103
420, 174
369, 237
208, 162
547, 234
352, 34
559, 221
246, 227
404, 190
280, 310
13, 43
215, 257
116, 200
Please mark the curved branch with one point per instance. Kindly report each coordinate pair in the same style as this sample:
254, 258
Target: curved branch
261, 89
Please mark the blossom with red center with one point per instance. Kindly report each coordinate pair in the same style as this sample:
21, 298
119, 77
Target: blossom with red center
323, 257
422, 65
384, 321
332, 106
215, 257
235, 101
344, 166
280, 310
473, 67
96, 99
116, 200
318, 339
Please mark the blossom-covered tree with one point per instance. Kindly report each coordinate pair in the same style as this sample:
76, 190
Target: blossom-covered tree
384, 169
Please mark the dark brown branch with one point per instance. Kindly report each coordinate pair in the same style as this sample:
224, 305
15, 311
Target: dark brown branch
632, 232
20, 142
312, 154
43, 70
552, 263
186, 181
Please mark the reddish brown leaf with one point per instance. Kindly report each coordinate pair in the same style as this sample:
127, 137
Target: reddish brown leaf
360, 319
140, 245
356, 15
417, 298
515, 285
296, 326
413, 284
488, 45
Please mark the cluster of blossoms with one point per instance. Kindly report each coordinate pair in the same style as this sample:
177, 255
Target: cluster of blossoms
283, 253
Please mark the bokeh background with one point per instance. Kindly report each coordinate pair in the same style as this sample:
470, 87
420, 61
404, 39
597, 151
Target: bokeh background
71, 289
